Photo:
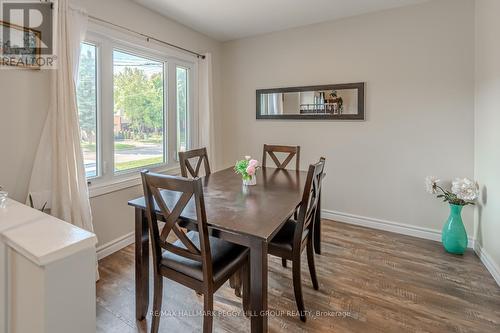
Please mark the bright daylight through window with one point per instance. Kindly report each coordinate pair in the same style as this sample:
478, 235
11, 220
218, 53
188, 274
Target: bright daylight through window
138, 111
182, 106
127, 95
87, 107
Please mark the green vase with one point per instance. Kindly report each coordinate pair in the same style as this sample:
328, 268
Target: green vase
454, 236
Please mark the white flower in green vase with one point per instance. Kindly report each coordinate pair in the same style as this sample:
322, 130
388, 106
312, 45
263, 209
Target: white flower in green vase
465, 189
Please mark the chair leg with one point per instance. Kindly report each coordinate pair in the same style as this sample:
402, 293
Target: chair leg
310, 263
297, 288
208, 309
157, 299
283, 262
235, 283
245, 276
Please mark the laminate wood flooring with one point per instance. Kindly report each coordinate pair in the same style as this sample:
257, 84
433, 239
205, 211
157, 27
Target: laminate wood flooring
370, 281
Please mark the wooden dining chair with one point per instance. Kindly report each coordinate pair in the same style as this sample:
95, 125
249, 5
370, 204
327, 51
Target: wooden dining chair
195, 260
292, 151
186, 167
186, 156
295, 235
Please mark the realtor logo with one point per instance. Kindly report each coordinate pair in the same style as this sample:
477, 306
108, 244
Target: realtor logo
27, 34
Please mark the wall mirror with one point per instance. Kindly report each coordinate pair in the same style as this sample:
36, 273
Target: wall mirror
334, 101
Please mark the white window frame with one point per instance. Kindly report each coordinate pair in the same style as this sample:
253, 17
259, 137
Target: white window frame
98, 108
192, 131
108, 39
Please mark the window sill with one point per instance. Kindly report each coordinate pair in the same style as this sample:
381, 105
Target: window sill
102, 188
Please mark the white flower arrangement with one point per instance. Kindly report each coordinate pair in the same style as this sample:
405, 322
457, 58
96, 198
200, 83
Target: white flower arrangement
463, 190
431, 184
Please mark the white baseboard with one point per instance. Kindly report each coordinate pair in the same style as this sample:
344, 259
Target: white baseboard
115, 245
399, 228
488, 262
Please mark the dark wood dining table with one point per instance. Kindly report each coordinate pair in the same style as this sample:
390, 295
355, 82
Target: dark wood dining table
245, 215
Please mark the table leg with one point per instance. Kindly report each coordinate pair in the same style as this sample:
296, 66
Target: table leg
317, 227
258, 286
141, 264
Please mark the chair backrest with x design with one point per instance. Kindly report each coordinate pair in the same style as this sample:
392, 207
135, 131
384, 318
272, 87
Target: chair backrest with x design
157, 207
292, 151
310, 199
186, 166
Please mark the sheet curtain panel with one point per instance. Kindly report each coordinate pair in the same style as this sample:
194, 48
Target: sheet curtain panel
58, 175
272, 104
206, 134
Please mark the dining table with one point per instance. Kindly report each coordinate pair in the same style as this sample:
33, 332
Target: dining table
246, 215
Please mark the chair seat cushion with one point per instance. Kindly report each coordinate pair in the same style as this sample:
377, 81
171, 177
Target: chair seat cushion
283, 241
225, 257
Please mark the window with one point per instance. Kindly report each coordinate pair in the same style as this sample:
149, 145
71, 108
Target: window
135, 106
87, 106
138, 111
182, 106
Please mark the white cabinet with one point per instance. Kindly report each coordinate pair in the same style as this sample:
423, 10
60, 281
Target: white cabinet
47, 273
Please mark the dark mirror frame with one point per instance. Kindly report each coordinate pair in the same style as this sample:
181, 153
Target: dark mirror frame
360, 86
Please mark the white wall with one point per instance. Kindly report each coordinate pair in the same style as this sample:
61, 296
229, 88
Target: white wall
418, 65
24, 102
487, 128
23, 108
291, 103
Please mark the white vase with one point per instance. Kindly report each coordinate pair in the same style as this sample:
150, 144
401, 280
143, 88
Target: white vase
250, 182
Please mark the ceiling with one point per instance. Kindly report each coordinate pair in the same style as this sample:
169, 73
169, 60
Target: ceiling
232, 19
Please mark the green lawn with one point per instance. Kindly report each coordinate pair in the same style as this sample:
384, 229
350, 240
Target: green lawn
88, 147
138, 163
123, 146
118, 146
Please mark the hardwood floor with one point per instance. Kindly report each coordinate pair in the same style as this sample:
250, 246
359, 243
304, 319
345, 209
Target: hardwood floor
370, 281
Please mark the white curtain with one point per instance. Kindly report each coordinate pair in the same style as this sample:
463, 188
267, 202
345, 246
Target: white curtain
272, 104
276, 104
206, 135
58, 175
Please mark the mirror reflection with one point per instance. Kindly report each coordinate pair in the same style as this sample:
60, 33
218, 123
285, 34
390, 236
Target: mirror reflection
342, 103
